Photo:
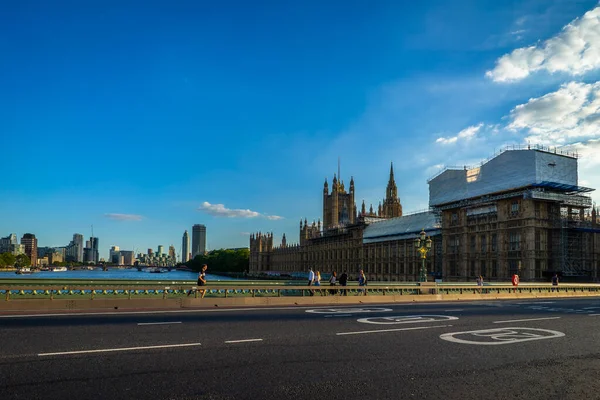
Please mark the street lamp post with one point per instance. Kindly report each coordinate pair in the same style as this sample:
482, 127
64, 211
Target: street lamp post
423, 245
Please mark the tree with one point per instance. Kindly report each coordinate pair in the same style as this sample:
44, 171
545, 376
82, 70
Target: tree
223, 260
22, 260
7, 260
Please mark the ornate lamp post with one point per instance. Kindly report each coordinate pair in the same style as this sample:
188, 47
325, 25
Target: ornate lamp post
423, 245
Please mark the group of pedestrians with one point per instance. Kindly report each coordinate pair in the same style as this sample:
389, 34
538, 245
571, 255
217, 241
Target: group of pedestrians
314, 279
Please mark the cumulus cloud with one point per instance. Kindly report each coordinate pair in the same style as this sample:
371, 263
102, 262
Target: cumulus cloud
466, 134
575, 50
219, 210
123, 217
570, 114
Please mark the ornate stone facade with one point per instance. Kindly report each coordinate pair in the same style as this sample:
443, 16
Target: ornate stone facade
520, 212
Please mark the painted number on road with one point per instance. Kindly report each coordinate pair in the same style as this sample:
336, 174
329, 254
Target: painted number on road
347, 310
492, 337
406, 319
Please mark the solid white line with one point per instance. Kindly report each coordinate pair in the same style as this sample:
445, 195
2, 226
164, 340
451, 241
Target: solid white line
166, 346
243, 341
524, 320
158, 323
392, 330
459, 309
338, 315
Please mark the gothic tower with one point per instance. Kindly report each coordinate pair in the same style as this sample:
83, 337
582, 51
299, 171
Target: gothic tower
391, 204
339, 207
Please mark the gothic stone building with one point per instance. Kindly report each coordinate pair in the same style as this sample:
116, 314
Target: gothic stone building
519, 212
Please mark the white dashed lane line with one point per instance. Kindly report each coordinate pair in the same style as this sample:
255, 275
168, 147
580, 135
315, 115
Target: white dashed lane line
243, 341
524, 320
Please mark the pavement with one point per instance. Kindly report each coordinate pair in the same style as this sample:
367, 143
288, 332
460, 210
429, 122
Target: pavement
526, 349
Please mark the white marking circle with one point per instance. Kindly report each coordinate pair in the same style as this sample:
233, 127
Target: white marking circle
406, 319
493, 337
347, 310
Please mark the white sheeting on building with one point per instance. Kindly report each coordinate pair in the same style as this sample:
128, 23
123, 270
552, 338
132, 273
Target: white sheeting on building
406, 227
510, 170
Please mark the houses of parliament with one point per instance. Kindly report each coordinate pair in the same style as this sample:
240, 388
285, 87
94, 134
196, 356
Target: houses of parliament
519, 212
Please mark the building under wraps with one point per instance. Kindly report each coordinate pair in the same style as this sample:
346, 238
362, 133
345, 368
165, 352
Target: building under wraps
521, 212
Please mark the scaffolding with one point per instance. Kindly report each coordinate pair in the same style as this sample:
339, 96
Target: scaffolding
569, 240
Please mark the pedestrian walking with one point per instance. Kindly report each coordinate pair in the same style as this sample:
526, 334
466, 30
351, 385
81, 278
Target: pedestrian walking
311, 279
362, 281
318, 281
201, 280
332, 282
554, 280
344, 282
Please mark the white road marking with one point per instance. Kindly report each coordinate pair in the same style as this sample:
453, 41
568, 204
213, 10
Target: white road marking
392, 330
243, 341
338, 315
458, 309
347, 310
524, 320
589, 308
536, 302
158, 323
406, 319
500, 336
165, 346
593, 315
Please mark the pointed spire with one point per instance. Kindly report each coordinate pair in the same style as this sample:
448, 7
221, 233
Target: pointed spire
391, 171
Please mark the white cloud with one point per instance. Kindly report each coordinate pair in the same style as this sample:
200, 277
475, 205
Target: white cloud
123, 217
570, 114
273, 217
219, 210
575, 50
466, 134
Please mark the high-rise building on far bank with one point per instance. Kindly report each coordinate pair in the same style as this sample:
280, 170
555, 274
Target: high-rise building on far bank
185, 247
198, 240
30, 242
161, 250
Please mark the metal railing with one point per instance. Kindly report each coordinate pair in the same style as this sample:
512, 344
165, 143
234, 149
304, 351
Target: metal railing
24, 292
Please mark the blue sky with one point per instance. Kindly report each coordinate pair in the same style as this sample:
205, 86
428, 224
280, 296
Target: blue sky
144, 118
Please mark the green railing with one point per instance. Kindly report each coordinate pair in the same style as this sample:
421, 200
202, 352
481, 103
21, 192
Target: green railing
141, 291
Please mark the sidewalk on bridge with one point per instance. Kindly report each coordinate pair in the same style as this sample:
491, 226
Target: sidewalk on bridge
103, 305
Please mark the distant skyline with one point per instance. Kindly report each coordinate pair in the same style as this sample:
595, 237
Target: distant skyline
145, 118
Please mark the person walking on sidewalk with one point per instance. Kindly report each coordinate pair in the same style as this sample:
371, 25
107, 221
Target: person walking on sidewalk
311, 279
344, 282
362, 281
201, 280
332, 281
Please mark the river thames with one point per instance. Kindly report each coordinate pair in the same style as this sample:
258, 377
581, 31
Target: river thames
116, 274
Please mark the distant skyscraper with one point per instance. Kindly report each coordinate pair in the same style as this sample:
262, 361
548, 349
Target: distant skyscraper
161, 250
172, 254
7, 243
30, 243
185, 248
198, 240
114, 254
78, 247
90, 253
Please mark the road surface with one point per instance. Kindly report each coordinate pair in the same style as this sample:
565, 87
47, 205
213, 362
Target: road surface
467, 350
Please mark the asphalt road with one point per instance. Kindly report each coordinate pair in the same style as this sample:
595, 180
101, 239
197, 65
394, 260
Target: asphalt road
497, 349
